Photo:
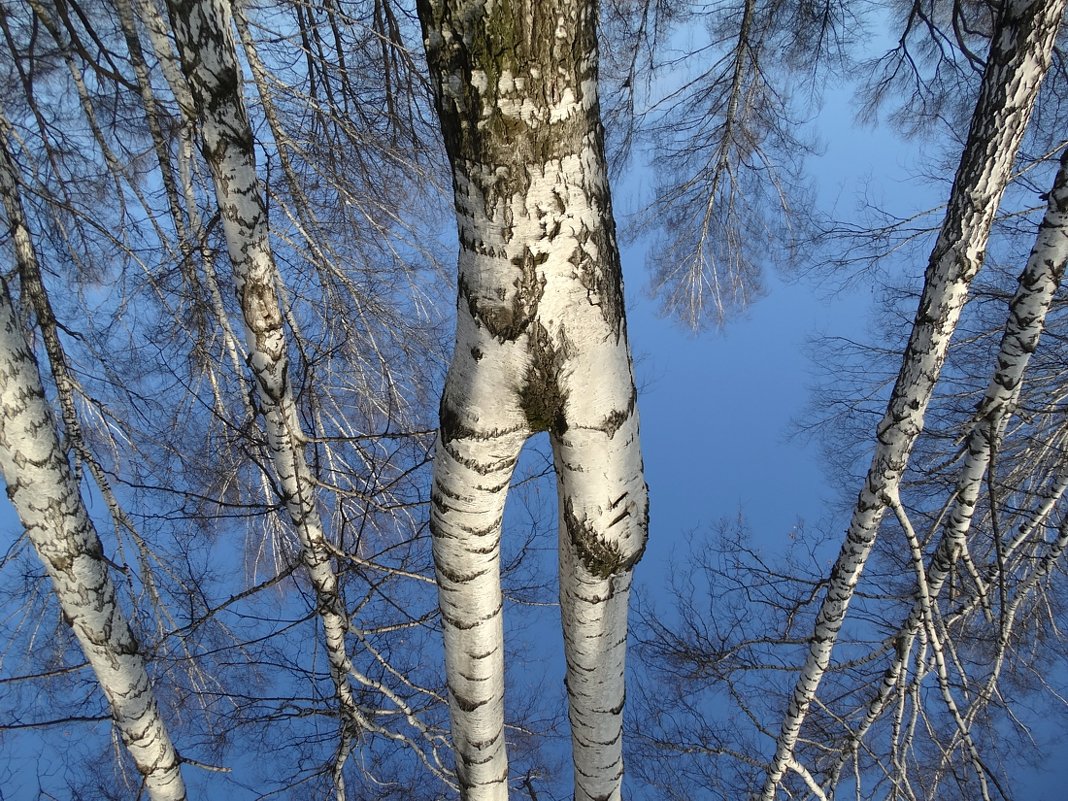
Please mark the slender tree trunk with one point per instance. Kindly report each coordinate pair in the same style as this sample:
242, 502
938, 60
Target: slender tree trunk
46, 497
1026, 320
204, 34
1038, 283
540, 346
1018, 60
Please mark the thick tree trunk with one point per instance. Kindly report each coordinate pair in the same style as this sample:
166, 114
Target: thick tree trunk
46, 497
204, 34
540, 346
1018, 60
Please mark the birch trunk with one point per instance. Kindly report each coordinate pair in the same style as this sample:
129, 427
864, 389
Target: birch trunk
1023, 328
46, 497
540, 346
204, 33
1018, 60
1027, 316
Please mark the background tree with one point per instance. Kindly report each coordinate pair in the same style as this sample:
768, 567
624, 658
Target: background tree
49, 505
152, 382
900, 740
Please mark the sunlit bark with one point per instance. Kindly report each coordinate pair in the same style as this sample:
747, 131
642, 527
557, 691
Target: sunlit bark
1023, 328
48, 501
203, 30
540, 346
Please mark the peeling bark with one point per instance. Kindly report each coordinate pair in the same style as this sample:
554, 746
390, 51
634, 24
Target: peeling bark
540, 346
1018, 60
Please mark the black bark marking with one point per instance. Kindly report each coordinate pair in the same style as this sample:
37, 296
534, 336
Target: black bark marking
540, 397
466, 704
615, 419
601, 557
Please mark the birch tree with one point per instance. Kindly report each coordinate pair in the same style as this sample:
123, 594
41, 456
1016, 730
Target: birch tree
954, 633
920, 682
123, 212
49, 504
1020, 54
204, 35
540, 346
1030, 304
285, 257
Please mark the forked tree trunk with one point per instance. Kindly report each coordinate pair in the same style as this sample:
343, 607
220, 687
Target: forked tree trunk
48, 501
540, 346
1018, 60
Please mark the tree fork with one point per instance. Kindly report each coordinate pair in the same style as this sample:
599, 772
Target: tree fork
541, 345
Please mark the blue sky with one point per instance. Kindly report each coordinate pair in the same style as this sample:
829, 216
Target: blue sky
718, 408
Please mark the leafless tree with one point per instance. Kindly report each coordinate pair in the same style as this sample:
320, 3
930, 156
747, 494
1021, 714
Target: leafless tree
148, 364
919, 677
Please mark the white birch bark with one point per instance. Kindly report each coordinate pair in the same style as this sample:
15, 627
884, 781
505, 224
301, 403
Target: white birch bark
46, 497
204, 34
1026, 320
33, 291
540, 345
1036, 288
1018, 60
34, 295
